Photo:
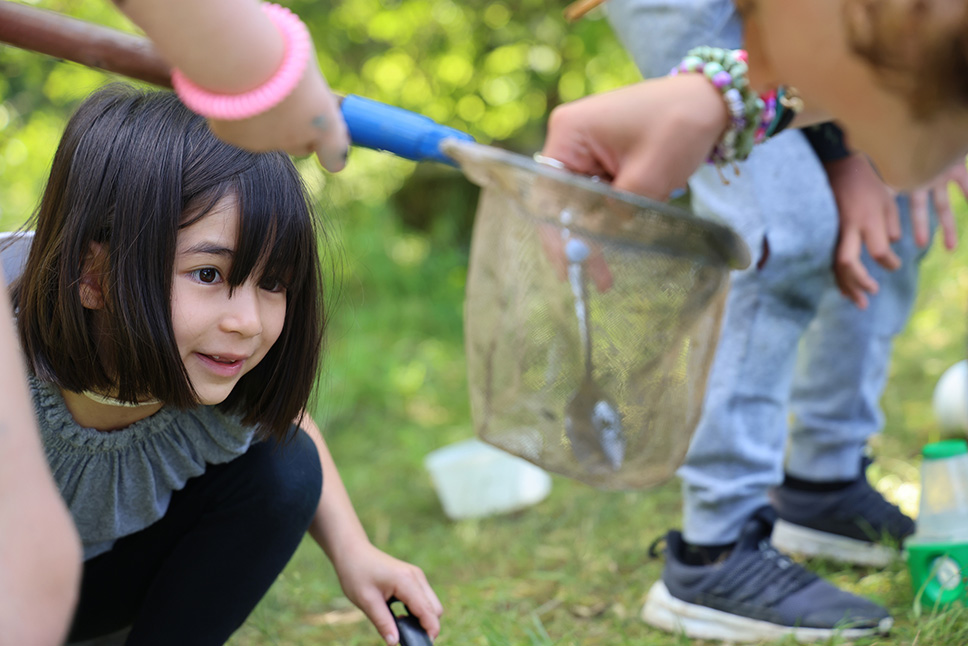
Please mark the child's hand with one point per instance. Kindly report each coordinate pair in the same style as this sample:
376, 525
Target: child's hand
308, 121
640, 137
227, 47
938, 190
868, 218
370, 577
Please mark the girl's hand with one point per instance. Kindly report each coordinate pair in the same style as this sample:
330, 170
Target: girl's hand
646, 138
370, 577
308, 121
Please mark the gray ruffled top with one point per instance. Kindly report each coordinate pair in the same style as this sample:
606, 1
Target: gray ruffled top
119, 482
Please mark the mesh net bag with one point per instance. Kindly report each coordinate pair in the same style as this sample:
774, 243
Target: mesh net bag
591, 319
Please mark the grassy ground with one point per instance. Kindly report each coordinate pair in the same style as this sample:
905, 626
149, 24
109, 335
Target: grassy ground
574, 569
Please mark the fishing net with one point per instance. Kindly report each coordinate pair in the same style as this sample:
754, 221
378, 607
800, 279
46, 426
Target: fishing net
591, 320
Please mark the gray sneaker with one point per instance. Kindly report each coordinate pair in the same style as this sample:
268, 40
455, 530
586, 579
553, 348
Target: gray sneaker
852, 525
755, 593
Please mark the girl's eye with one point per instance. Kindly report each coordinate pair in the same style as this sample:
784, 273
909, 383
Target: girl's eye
206, 275
273, 285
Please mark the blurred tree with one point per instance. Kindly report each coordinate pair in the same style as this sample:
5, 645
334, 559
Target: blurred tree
490, 68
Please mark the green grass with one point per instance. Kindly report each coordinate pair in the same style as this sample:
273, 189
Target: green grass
573, 569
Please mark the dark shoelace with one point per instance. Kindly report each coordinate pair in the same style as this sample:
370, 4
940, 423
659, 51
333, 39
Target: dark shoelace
764, 575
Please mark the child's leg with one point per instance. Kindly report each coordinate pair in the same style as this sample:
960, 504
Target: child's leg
826, 505
737, 452
843, 369
195, 575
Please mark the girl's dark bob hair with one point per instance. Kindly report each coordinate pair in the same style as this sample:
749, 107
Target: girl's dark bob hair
132, 168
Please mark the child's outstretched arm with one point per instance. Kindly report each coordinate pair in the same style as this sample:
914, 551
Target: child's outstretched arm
368, 576
40, 553
231, 47
646, 138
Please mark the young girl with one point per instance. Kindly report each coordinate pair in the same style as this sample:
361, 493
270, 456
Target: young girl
171, 317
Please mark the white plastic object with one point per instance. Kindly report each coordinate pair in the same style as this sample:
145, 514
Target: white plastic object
474, 479
950, 401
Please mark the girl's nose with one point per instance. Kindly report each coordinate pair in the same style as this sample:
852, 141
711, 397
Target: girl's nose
243, 313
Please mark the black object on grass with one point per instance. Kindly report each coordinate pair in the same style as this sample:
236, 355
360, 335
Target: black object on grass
411, 632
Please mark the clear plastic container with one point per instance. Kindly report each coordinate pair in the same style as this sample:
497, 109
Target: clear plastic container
943, 514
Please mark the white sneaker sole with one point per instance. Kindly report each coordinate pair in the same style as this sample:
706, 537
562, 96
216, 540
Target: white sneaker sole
803, 541
664, 611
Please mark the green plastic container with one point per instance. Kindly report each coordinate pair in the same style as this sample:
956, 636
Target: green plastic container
937, 554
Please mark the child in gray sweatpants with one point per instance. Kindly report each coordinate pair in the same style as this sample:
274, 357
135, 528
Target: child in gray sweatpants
790, 343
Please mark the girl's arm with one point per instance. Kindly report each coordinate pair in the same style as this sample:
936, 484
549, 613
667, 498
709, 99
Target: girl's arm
40, 553
367, 575
230, 47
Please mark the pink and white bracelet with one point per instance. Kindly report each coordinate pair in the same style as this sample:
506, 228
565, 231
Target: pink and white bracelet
235, 107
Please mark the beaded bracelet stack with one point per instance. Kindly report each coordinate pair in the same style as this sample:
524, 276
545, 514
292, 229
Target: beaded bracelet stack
753, 118
234, 107
788, 105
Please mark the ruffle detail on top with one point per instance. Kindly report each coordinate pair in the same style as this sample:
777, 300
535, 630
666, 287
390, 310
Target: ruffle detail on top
119, 482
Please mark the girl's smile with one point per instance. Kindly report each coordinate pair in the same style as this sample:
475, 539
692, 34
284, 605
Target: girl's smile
221, 332
222, 364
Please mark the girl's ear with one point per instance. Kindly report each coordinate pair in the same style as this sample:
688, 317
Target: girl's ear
92, 274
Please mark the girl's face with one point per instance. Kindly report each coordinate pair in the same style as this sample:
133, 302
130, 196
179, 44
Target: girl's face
220, 336
804, 43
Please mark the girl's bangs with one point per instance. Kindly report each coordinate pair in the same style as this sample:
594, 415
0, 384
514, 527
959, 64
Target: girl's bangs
276, 234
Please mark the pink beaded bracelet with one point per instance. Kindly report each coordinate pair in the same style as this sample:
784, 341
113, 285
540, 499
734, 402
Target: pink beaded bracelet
235, 107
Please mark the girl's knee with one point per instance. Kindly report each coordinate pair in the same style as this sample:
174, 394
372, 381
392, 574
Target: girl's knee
289, 477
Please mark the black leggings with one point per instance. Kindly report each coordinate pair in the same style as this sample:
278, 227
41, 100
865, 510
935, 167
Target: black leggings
194, 576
